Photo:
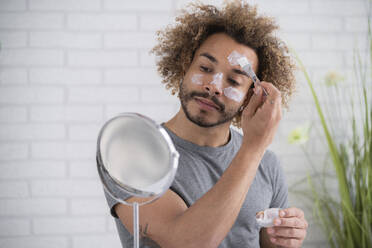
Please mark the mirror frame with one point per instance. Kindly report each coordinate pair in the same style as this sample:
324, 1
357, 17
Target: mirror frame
109, 182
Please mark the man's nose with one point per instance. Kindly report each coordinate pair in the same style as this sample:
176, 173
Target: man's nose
215, 86
213, 89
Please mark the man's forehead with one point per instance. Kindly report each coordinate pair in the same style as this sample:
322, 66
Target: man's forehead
219, 55
221, 46
216, 57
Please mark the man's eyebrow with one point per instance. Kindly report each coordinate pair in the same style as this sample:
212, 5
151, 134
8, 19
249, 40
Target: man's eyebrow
241, 72
210, 57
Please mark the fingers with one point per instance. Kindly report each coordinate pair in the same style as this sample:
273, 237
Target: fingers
273, 92
273, 101
290, 229
284, 242
254, 103
291, 222
247, 99
286, 232
292, 212
287, 237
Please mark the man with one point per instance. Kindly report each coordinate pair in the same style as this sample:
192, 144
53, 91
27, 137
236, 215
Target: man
224, 178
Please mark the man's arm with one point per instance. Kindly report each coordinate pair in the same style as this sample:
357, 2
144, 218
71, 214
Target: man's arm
207, 222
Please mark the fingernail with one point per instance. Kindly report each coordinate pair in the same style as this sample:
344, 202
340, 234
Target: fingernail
270, 230
273, 240
277, 222
256, 90
281, 213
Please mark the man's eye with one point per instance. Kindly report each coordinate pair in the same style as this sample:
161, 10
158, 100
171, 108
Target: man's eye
233, 82
205, 69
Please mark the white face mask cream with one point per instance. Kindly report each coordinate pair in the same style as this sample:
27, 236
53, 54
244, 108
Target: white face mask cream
196, 79
217, 80
233, 58
229, 92
236, 58
233, 94
266, 218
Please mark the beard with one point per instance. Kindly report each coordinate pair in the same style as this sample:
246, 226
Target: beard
201, 118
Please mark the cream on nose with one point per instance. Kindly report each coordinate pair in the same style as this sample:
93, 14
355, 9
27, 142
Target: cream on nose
215, 86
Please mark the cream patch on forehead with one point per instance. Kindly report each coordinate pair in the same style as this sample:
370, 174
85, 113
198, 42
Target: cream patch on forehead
233, 58
196, 79
233, 94
236, 58
217, 80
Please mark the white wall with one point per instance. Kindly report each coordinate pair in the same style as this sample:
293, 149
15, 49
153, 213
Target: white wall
67, 66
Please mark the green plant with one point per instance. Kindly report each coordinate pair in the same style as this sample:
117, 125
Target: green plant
347, 216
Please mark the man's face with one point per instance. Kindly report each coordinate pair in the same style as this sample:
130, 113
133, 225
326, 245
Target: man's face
214, 89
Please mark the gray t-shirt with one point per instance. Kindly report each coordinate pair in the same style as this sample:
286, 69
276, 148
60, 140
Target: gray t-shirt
199, 169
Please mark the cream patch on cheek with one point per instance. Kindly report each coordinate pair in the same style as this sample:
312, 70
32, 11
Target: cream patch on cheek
196, 79
233, 94
217, 80
229, 92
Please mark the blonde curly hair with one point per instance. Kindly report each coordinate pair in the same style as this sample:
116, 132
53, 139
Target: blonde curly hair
177, 44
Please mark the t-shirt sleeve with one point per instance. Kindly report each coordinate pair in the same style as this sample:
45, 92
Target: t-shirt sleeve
280, 187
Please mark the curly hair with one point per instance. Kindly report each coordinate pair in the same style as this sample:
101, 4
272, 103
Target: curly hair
178, 43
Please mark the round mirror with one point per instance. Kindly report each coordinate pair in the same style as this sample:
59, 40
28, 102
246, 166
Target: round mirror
135, 157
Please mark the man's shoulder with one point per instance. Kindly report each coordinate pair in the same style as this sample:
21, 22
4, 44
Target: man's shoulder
236, 134
268, 155
271, 155
270, 163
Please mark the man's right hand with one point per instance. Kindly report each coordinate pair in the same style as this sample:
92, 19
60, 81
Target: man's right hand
260, 120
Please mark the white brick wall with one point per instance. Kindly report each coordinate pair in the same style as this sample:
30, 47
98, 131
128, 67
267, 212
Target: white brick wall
67, 66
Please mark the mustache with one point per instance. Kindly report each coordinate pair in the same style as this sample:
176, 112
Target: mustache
206, 95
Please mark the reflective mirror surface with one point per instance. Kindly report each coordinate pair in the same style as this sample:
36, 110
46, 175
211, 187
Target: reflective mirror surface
135, 156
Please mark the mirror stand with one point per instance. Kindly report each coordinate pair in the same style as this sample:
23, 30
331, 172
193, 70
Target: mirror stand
124, 173
135, 225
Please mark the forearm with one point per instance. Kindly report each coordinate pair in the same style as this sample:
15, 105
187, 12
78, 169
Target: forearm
207, 222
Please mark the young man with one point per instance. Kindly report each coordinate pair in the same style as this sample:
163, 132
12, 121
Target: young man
224, 178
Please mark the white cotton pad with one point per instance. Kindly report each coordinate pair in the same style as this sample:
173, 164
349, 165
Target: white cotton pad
266, 218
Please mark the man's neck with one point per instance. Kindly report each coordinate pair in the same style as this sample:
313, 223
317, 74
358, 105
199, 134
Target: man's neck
202, 136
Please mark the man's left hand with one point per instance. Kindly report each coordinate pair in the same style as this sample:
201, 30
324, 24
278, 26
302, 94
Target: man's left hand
290, 229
